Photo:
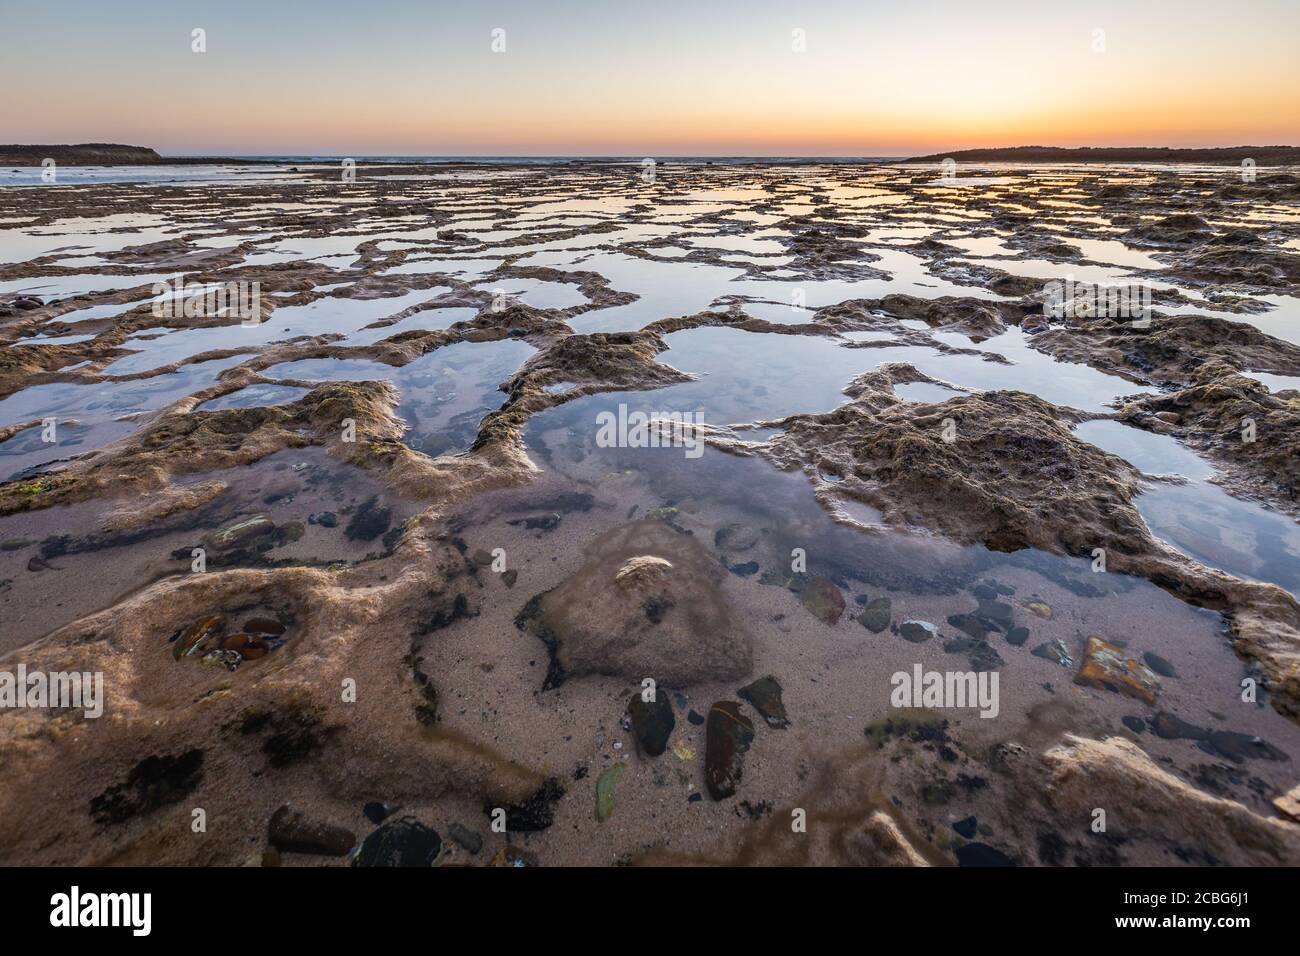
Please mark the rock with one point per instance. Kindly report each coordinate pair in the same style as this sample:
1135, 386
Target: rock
1105, 666
1054, 651
482, 558
239, 533
995, 614
191, 640
1135, 724
546, 522
468, 840
1159, 665
535, 813
605, 784
875, 616
966, 828
1289, 804
652, 722
1168, 727
981, 654
984, 592
404, 842
765, 695
918, 632
377, 812
695, 718
596, 623
1240, 747
1040, 608
981, 854
514, 857
644, 571
735, 537
326, 519
292, 832
369, 522
823, 600
748, 569
969, 624
727, 738
1115, 772
292, 530
15, 544
1018, 636
247, 646
510, 577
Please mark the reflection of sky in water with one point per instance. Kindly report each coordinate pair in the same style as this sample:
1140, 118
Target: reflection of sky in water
96, 408
329, 314
444, 393
1199, 518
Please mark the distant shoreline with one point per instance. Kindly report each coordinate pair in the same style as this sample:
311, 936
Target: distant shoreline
1226, 155
110, 154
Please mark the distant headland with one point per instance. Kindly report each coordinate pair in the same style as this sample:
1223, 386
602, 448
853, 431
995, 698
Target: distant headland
1227, 155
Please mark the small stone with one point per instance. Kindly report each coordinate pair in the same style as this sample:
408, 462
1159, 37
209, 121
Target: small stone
482, 558
1040, 608
193, 636
605, 791
643, 571
369, 522
377, 812
1054, 651
510, 577
727, 738
239, 533
824, 600
1106, 667
917, 631
292, 530
292, 832
468, 840
538, 522
967, 828
1289, 804
1135, 724
876, 615
984, 592
404, 842
652, 722
765, 695
981, 854
735, 537
695, 718
995, 614
745, 570
514, 857
1018, 636
1159, 664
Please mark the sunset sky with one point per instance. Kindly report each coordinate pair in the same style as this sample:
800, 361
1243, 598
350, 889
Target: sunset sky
704, 77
